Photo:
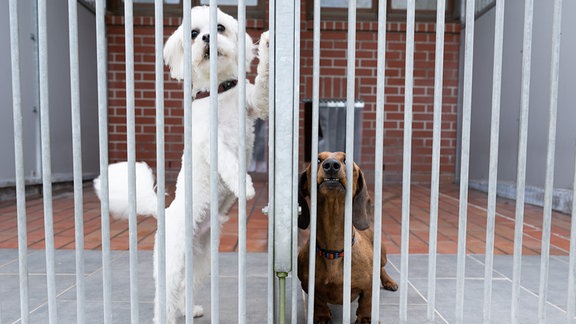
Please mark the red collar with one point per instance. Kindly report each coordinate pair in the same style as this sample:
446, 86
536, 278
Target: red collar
331, 254
223, 87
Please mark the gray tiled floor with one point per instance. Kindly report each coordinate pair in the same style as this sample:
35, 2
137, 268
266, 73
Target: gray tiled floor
256, 302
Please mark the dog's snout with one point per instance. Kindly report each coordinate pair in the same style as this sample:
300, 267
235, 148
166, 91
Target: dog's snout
206, 38
331, 166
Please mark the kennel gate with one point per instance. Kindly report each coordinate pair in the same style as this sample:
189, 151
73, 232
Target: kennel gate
282, 208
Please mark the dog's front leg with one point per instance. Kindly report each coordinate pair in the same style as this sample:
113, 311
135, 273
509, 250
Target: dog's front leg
228, 166
258, 101
364, 311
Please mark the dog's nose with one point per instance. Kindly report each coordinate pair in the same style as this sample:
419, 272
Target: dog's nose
206, 38
331, 166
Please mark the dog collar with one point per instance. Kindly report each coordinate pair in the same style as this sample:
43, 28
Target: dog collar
331, 254
223, 87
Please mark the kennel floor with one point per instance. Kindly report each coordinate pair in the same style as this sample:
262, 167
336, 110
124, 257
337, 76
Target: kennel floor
63, 206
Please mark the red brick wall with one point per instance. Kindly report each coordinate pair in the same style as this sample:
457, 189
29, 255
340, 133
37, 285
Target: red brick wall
333, 85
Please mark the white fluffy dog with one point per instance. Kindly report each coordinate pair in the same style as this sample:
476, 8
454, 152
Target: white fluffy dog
228, 164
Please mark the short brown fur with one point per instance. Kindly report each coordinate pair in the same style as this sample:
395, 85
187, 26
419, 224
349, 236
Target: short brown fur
331, 183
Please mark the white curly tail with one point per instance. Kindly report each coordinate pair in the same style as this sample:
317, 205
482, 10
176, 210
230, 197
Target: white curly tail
118, 190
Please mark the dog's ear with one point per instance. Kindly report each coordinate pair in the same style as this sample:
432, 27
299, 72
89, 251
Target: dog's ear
174, 54
303, 192
361, 203
251, 51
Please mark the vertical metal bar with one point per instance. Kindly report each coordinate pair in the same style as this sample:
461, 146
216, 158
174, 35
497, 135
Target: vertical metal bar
188, 188
271, 158
522, 148
295, 144
77, 159
131, 148
493, 174
214, 223
549, 183
379, 159
571, 300
284, 141
46, 162
314, 160
407, 158
103, 153
351, 74
436, 143
160, 165
464, 160
242, 162
19, 163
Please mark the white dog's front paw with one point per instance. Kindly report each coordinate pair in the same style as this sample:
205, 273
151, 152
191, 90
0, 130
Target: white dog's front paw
198, 311
250, 192
263, 48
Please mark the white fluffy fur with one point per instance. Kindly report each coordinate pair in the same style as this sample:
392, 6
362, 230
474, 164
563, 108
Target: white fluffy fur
228, 164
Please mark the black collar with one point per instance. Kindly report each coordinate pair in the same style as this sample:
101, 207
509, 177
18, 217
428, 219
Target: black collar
223, 87
331, 254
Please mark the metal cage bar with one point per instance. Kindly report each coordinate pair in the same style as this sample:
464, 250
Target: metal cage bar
522, 152
19, 164
77, 160
160, 299
407, 158
436, 141
493, 167
46, 162
350, 93
242, 162
550, 158
187, 164
379, 159
465, 160
103, 153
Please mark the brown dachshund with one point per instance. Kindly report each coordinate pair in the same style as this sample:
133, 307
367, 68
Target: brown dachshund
332, 185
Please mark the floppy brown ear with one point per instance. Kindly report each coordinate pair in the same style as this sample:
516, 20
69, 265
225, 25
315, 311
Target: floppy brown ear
303, 192
361, 204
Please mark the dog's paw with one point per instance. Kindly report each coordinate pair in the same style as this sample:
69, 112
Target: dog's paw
390, 285
250, 192
363, 319
263, 49
198, 311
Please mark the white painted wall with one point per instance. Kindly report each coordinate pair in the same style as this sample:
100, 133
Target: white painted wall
539, 96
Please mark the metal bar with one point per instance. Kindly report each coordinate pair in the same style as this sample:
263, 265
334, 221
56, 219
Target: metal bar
271, 156
46, 162
436, 144
19, 164
295, 144
350, 94
314, 160
522, 148
214, 176
493, 173
188, 188
103, 153
407, 158
131, 149
242, 162
160, 165
464, 160
549, 182
77, 159
379, 159
571, 300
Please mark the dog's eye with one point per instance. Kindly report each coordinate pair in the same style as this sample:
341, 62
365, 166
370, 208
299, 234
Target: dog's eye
319, 161
344, 161
195, 33
221, 28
